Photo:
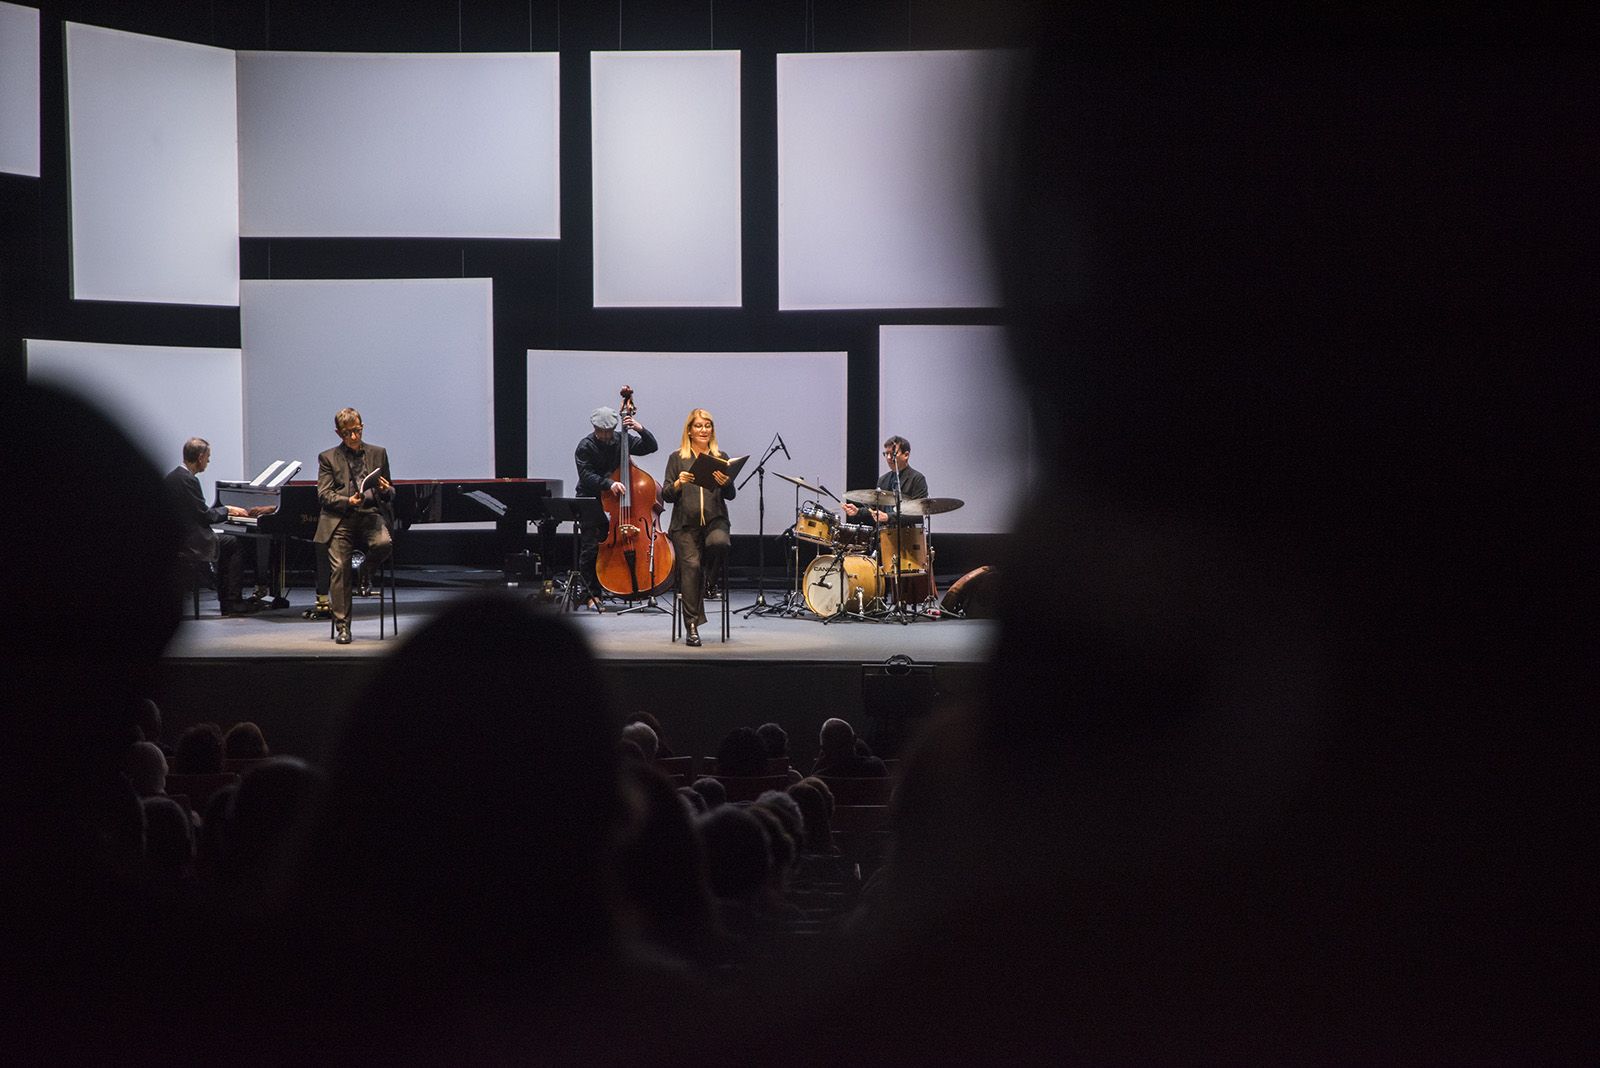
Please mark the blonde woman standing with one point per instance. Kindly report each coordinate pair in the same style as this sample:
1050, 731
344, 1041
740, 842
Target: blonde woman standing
699, 528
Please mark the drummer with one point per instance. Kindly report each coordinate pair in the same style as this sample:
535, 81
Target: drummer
901, 476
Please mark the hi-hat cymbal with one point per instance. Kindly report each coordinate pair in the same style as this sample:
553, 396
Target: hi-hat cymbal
802, 483
931, 505
870, 498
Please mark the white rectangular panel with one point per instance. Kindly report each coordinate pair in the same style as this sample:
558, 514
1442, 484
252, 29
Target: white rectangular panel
950, 391
414, 356
160, 396
665, 139
368, 145
19, 90
153, 140
882, 163
750, 395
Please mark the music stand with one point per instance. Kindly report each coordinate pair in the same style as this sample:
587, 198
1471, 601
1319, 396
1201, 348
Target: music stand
584, 513
759, 606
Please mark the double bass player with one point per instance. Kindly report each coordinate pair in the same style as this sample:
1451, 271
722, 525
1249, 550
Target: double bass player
597, 456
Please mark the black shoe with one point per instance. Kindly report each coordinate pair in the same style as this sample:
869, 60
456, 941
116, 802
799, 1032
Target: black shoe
691, 636
318, 611
239, 608
341, 633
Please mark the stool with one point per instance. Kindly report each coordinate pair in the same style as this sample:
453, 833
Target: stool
386, 591
677, 612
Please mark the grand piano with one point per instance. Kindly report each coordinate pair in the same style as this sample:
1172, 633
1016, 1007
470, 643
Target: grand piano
290, 511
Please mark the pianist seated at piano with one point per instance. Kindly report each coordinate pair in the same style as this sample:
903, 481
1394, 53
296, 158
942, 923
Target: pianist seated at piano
356, 493
225, 550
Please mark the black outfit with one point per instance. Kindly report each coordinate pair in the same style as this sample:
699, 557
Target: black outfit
851, 766
344, 527
198, 538
596, 461
699, 533
913, 484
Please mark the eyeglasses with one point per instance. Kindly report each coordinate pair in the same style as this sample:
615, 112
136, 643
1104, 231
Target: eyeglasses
347, 431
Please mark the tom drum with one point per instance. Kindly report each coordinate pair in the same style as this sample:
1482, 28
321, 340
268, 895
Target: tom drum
815, 523
909, 544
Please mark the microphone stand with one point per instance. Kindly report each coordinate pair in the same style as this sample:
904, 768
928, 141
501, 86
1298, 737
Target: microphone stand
760, 607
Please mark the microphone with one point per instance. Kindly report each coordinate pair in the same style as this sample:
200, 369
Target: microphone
784, 447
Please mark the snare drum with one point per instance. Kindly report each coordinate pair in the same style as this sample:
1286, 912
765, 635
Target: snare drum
815, 523
907, 543
854, 537
835, 583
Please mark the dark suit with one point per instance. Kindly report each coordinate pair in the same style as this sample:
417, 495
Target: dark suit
344, 527
183, 487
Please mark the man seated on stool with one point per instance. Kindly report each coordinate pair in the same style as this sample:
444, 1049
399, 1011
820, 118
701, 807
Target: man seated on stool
912, 484
355, 492
183, 484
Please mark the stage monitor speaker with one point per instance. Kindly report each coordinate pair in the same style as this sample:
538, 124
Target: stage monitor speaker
975, 595
897, 695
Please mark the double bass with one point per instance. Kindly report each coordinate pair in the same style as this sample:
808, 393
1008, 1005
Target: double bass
636, 557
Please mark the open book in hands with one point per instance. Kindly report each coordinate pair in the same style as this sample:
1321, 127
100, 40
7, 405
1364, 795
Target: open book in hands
706, 465
369, 484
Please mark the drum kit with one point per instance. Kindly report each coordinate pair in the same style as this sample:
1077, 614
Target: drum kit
866, 570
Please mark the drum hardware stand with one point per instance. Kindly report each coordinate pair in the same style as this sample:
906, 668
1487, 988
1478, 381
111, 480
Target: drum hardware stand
793, 603
898, 539
759, 606
928, 607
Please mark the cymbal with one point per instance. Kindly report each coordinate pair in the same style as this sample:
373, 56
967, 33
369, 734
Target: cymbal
931, 505
870, 498
802, 483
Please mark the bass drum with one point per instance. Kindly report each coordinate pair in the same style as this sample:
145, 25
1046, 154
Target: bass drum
835, 583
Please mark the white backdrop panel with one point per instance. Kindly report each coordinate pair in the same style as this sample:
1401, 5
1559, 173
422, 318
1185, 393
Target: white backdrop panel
665, 139
437, 145
19, 90
161, 397
414, 355
750, 395
949, 390
153, 139
882, 158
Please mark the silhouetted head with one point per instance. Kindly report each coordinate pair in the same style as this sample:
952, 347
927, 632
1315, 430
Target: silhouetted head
244, 741
199, 751
711, 790
738, 855
775, 738
95, 627
471, 817
742, 753
642, 736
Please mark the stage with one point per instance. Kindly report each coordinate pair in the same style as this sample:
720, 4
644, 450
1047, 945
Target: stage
285, 672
